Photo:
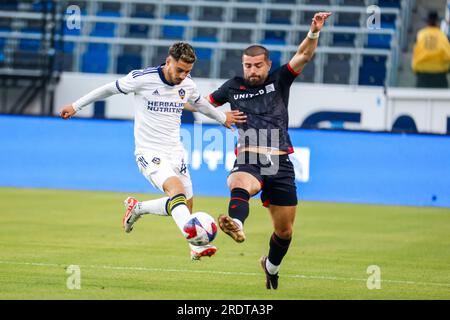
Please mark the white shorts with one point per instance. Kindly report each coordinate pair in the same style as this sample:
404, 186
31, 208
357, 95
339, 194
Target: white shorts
157, 168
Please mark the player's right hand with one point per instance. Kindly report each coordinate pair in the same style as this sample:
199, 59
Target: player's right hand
67, 112
318, 21
233, 117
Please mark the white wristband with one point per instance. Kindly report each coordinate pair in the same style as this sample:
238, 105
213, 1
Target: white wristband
312, 35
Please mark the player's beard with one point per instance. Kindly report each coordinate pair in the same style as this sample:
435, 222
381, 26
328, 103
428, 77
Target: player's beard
174, 80
255, 80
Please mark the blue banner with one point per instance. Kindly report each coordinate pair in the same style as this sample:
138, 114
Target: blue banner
337, 166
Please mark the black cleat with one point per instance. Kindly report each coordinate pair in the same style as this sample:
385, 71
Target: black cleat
271, 279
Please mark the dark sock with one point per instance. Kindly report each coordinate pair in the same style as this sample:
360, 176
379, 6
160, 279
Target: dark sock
238, 207
277, 249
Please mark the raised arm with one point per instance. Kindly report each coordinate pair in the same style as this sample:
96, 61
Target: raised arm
305, 51
124, 85
98, 94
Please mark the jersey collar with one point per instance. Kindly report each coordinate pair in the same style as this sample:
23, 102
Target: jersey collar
161, 75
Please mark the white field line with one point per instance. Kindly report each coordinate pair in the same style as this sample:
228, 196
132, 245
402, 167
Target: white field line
231, 273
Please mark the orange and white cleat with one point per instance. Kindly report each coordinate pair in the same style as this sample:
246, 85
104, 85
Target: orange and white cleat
130, 217
203, 251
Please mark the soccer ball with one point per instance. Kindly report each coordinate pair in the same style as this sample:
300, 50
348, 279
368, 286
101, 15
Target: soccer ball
200, 229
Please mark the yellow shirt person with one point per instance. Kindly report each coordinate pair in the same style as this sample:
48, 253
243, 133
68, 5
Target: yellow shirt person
431, 57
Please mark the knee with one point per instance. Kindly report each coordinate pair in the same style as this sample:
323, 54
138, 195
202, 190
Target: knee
243, 184
284, 233
237, 183
173, 186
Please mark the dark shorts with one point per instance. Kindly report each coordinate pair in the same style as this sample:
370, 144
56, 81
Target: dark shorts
276, 175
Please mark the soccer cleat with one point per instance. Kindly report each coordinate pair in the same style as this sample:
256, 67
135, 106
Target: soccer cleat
130, 217
271, 279
230, 227
203, 251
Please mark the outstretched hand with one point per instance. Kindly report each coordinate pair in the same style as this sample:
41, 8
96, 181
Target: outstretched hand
67, 112
234, 117
318, 21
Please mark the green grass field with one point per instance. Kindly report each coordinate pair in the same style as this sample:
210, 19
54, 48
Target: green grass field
42, 232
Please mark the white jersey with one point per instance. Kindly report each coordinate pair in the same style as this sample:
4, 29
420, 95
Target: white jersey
158, 108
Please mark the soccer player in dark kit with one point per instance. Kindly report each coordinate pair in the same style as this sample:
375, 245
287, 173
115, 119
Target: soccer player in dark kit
264, 145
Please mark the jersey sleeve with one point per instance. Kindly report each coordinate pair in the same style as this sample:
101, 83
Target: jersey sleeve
100, 93
129, 83
195, 95
220, 96
287, 75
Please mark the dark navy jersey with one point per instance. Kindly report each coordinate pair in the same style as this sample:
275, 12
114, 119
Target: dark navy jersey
266, 108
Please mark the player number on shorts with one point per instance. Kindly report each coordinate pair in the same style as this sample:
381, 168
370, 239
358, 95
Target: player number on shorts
183, 167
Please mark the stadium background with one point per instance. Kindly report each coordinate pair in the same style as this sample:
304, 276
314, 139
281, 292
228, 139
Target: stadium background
362, 133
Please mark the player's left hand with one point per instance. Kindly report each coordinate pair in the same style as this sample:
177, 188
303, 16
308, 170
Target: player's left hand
319, 21
233, 117
67, 112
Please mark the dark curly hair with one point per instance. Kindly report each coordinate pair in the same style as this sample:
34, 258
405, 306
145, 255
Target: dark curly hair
182, 51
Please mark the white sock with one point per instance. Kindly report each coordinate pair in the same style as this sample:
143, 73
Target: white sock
239, 222
271, 268
157, 207
181, 215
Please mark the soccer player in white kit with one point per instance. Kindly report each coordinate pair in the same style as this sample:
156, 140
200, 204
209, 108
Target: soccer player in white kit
160, 94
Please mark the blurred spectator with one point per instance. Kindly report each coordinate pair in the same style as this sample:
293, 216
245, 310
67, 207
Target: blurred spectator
431, 57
